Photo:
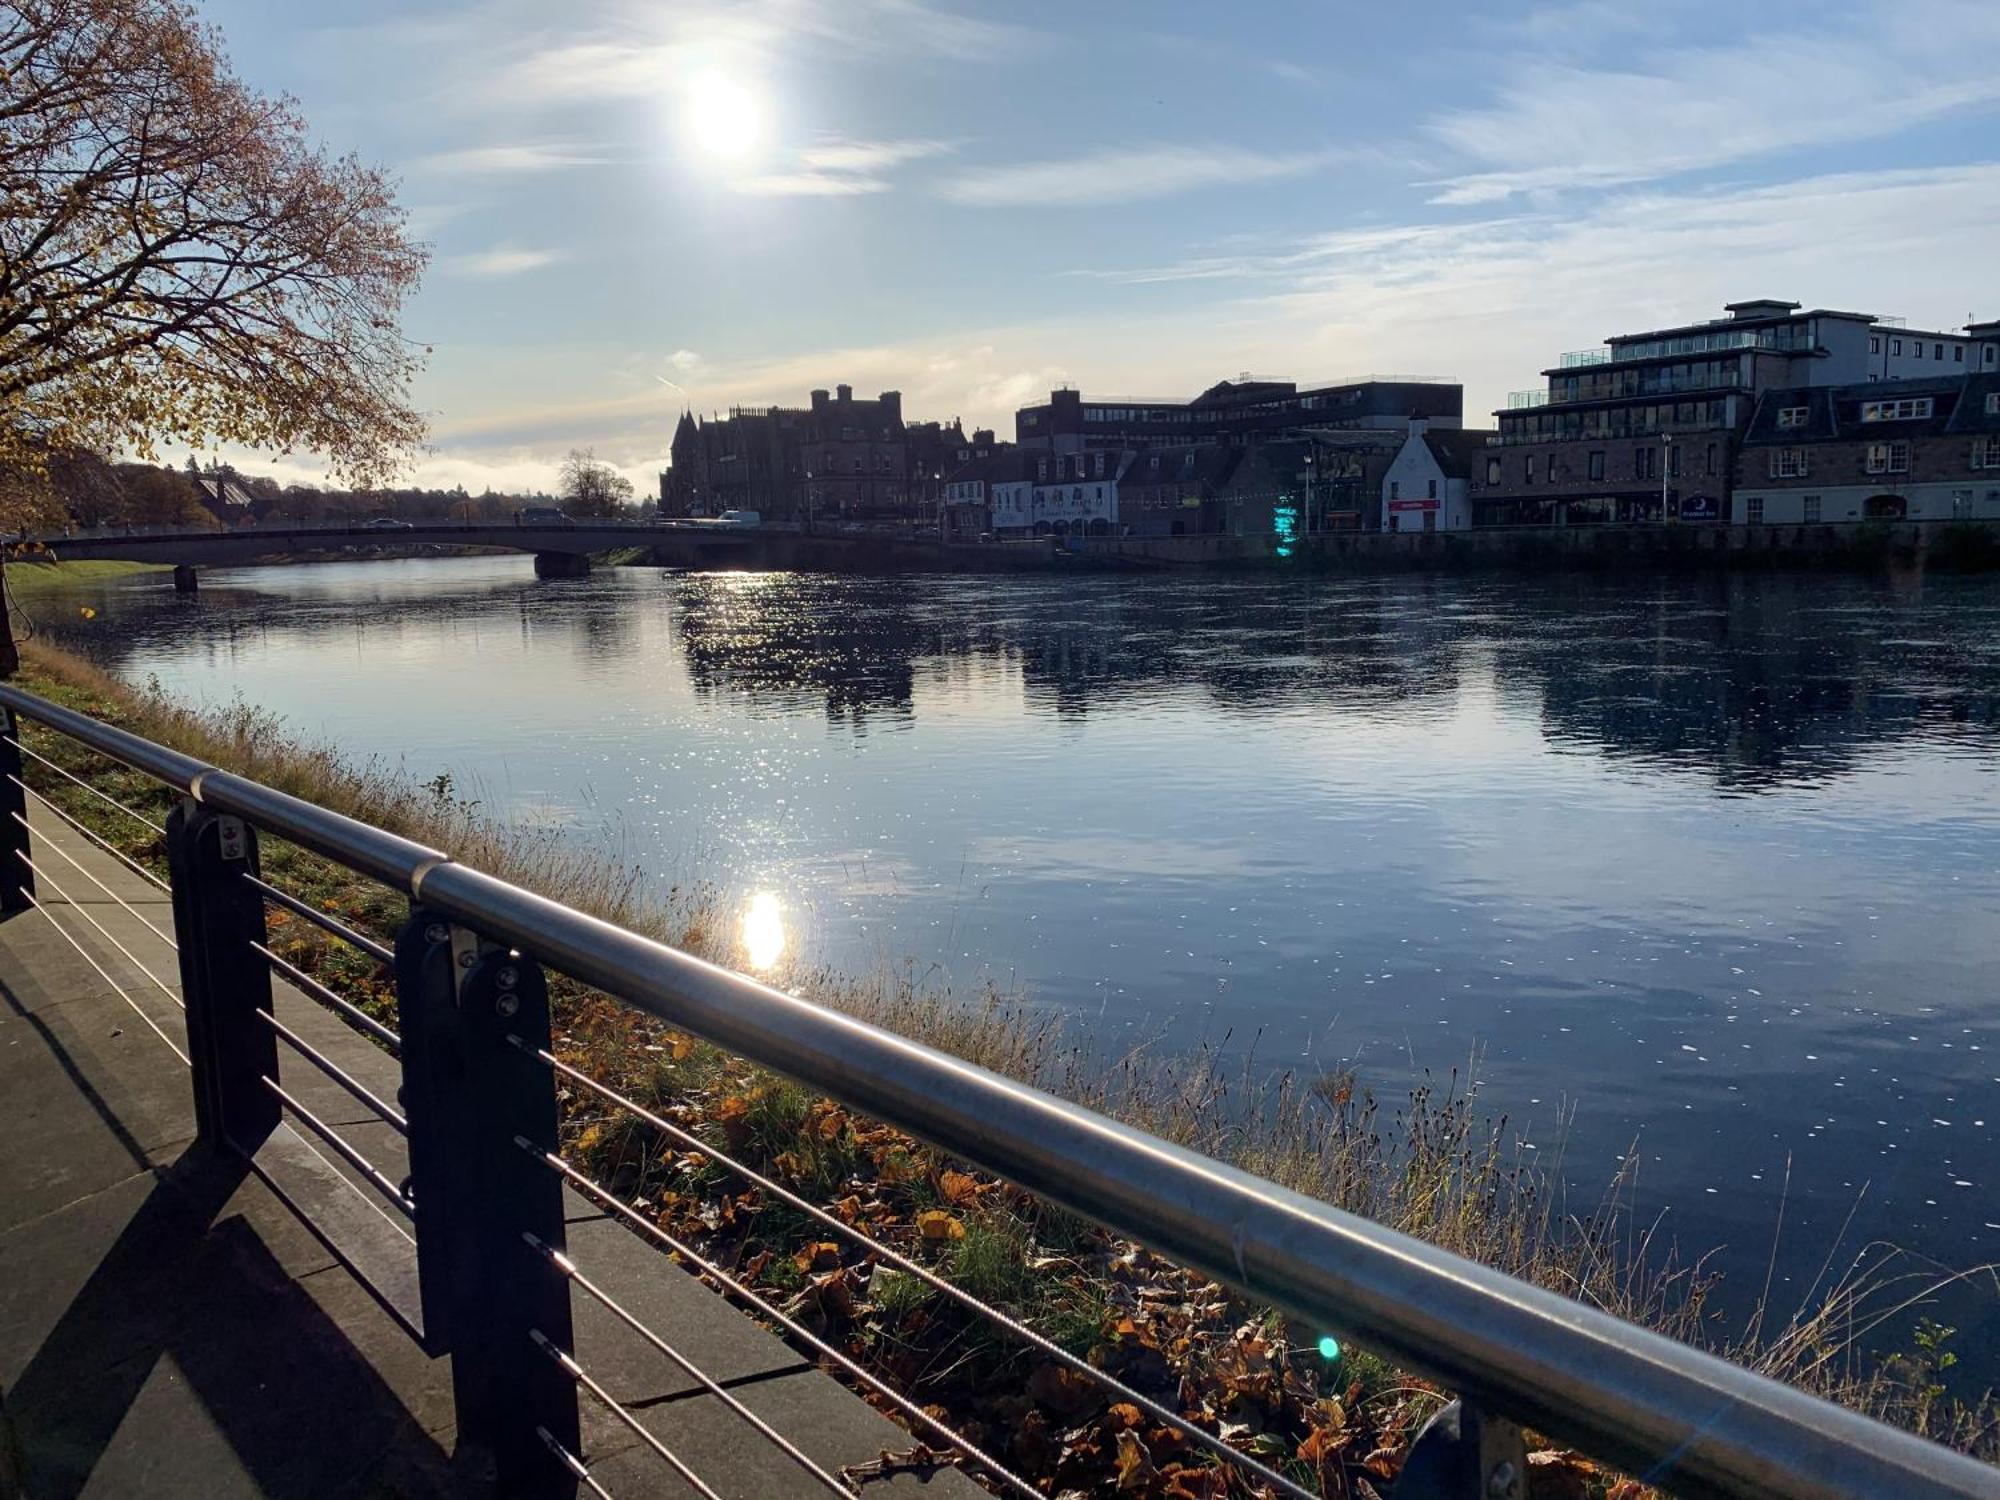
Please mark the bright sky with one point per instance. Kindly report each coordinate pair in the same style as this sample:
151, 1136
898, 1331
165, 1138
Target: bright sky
640, 204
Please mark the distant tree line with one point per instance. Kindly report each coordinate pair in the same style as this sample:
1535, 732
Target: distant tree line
81, 490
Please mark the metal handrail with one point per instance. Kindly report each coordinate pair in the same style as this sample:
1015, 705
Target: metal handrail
1672, 1415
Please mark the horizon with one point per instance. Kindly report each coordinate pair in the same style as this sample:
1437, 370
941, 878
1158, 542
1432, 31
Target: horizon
974, 210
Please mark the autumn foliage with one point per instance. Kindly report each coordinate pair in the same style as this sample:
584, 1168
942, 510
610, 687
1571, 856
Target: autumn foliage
180, 265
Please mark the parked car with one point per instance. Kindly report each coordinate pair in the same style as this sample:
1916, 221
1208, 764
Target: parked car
740, 518
543, 515
385, 523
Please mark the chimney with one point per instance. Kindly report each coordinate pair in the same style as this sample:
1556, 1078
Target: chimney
892, 407
1419, 426
843, 393
982, 437
819, 400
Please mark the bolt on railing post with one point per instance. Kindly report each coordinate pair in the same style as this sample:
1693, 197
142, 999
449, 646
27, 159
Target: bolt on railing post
471, 1096
224, 981
17, 881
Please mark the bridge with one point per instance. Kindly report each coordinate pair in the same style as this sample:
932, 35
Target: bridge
256, 1240
560, 551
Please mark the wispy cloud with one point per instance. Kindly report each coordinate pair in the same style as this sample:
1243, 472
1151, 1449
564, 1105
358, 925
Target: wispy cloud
871, 156
503, 260
1119, 175
842, 169
810, 185
633, 51
544, 156
1576, 123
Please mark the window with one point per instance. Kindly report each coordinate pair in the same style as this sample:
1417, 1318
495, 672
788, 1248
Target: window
1100, 465
1792, 416
1937, 351
1961, 504
1811, 512
1710, 470
1493, 464
1431, 489
1642, 463
1992, 400
1958, 354
1528, 469
1596, 463
1895, 346
1875, 345
1674, 463
1986, 453
1888, 458
1753, 509
1914, 408
1396, 487
1788, 463
1041, 468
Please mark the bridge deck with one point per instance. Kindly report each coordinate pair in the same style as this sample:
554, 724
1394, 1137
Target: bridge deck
169, 1328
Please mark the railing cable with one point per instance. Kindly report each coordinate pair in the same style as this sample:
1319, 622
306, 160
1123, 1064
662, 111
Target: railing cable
347, 1150
923, 1273
380, 952
611, 1305
116, 989
571, 1462
799, 1331
391, 1116
77, 865
158, 983
103, 797
567, 1363
311, 986
96, 838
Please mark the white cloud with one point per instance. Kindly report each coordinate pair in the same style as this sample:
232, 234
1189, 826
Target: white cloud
546, 156
1570, 123
1116, 175
809, 185
870, 156
503, 260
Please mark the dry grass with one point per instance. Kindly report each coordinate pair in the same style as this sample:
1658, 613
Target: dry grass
1434, 1167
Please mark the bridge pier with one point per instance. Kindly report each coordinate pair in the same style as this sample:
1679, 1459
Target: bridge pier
562, 565
184, 579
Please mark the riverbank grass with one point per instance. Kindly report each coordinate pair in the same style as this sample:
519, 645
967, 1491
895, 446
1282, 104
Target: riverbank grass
41, 576
1430, 1165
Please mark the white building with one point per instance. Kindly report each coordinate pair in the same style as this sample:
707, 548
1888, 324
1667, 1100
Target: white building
1424, 488
1071, 494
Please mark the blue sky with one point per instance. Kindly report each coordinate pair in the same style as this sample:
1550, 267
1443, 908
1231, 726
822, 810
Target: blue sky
718, 201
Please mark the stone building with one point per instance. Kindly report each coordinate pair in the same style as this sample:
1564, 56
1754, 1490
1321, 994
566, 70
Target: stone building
1916, 450
1234, 410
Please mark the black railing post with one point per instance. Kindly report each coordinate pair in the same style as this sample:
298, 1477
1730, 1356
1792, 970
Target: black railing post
224, 981
17, 881
473, 1096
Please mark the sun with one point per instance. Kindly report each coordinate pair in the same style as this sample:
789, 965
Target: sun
725, 119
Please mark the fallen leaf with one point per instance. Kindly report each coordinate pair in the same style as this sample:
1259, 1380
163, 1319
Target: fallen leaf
936, 1225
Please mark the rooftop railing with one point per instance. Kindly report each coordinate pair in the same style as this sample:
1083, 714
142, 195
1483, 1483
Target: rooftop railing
482, 1206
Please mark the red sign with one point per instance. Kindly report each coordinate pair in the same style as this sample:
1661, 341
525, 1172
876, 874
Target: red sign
1413, 505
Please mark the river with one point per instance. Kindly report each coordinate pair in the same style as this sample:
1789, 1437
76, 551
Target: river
1712, 861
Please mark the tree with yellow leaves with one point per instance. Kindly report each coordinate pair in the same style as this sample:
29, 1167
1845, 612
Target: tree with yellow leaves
179, 264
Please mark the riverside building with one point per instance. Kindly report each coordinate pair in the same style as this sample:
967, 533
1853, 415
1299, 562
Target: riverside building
1646, 427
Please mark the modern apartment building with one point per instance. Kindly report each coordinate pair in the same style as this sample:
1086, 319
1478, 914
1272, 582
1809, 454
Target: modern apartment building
1646, 426
1918, 450
1234, 410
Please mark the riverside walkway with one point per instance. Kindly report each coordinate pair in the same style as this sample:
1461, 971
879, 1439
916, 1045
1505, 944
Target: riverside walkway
170, 1327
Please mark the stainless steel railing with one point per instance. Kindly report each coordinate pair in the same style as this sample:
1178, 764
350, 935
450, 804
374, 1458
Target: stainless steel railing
1517, 1354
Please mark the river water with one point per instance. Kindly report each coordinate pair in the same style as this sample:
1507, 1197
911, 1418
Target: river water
1712, 861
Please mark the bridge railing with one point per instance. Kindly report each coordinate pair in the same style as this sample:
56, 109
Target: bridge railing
483, 1197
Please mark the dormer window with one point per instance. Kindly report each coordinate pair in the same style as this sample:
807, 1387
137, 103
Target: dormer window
1910, 409
1792, 416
